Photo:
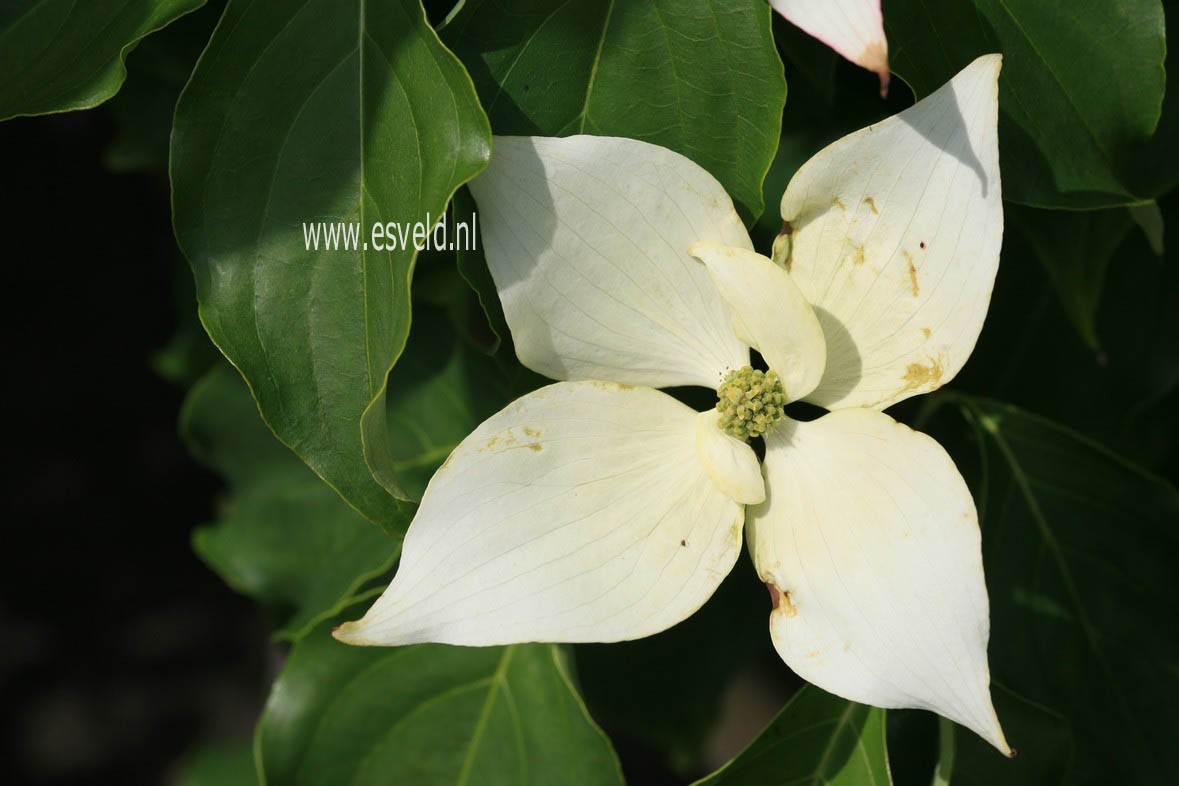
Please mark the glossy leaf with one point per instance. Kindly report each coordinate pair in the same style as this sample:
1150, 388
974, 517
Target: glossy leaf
283, 538
817, 739
1075, 248
1081, 91
59, 55
319, 112
428, 714
700, 77
1078, 547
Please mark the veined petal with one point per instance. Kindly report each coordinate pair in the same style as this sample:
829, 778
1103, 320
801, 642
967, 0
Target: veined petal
578, 513
869, 542
730, 463
769, 313
587, 239
894, 239
853, 28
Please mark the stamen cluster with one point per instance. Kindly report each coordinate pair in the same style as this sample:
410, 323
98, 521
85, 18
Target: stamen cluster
749, 401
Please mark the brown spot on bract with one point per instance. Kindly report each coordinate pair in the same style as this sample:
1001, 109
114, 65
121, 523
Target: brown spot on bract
535, 447
683, 543
786, 228
912, 275
871, 203
836, 202
926, 332
782, 600
531, 432
923, 244
858, 259
918, 375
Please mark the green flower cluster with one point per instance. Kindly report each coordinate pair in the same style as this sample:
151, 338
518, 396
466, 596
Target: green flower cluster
750, 401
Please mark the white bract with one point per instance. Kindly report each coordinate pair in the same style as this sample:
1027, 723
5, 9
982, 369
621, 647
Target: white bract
600, 509
853, 28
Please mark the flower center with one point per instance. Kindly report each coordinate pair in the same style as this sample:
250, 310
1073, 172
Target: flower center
749, 401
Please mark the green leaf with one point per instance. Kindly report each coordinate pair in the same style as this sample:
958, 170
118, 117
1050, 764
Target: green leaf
1078, 546
637, 688
60, 55
284, 538
817, 739
217, 765
442, 390
318, 111
1031, 356
472, 266
1080, 94
142, 111
1076, 248
1044, 757
428, 714
700, 77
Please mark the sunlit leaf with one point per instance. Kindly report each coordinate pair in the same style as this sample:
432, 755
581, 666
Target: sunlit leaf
319, 112
1081, 92
429, 714
698, 76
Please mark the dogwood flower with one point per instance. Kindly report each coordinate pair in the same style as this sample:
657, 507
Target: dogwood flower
601, 509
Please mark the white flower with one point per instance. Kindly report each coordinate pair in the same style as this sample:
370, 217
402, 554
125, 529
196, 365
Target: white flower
597, 511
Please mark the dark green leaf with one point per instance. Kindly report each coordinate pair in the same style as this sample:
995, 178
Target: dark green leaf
142, 110
442, 390
284, 538
666, 691
429, 714
319, 112
1080, 94
472, 266
698, 76
1044, 756
218, 765
818, 739
1079, 547
59, 55
1030, 355
1075, 247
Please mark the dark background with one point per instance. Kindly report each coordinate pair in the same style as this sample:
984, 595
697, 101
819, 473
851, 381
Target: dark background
120, 649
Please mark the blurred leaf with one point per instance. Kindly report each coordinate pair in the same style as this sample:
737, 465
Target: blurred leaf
218, 765
817, 739
700, 77
307, 112
1080, 94
666, 690
1079, 546
1031, 356
143, 108
284, 538
60, 55
1149, 219
1044, 752
1075, 247
428, 714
